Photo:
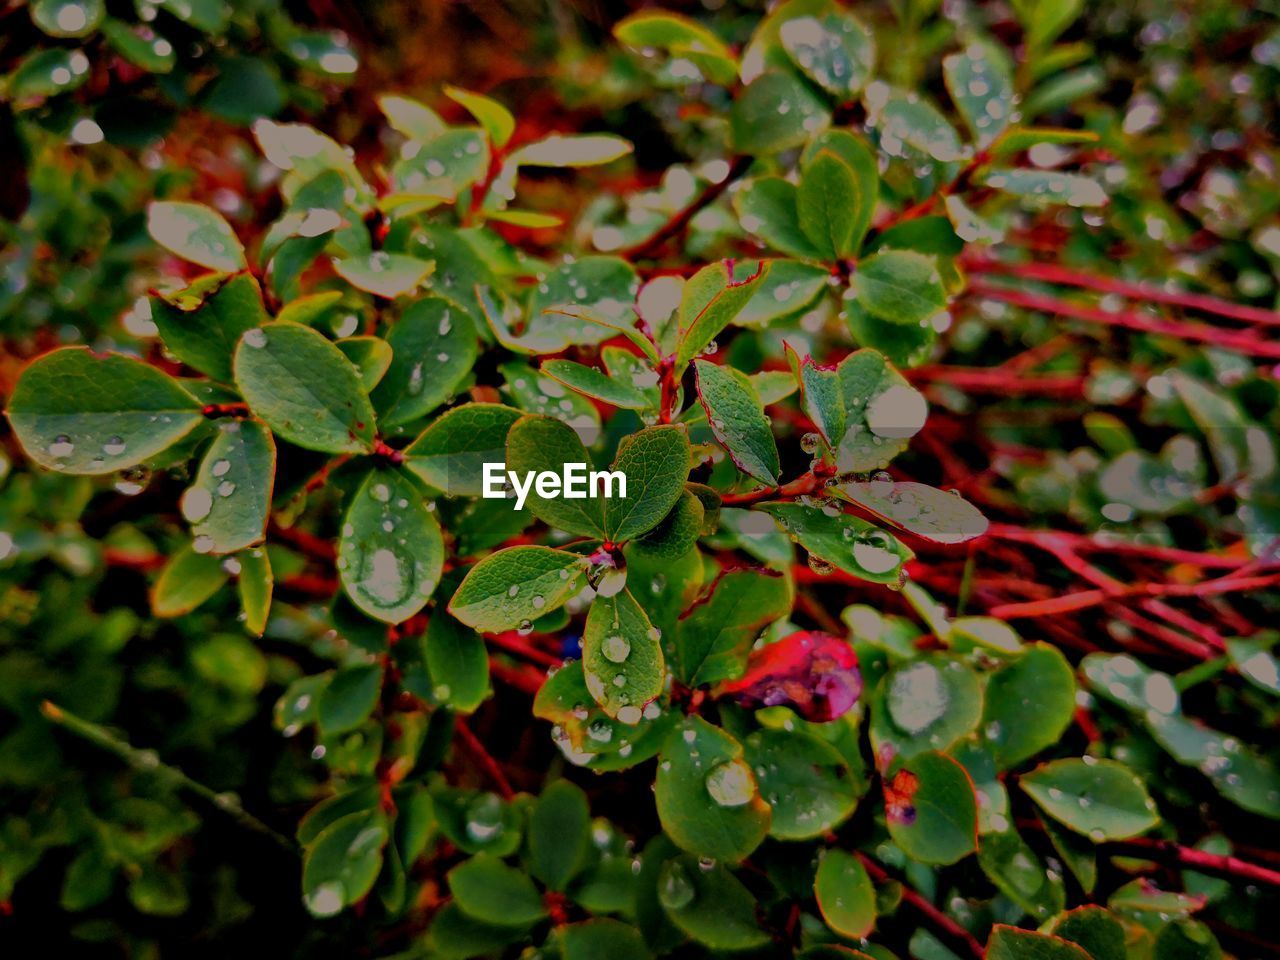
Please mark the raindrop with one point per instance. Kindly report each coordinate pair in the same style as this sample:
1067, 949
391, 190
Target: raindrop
731, 784
616, 649
675, 888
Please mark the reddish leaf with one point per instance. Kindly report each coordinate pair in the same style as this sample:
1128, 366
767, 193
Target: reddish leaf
812, 673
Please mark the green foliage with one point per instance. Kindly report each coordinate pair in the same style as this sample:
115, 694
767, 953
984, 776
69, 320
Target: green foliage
282, 672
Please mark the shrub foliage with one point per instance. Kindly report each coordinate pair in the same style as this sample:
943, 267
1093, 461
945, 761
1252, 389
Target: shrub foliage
932, 622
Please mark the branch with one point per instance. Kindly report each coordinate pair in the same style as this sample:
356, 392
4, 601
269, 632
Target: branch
1150, 293
481, 758
146, 761
798, 487
1217, 865
1233, 340
675, 226
944, 924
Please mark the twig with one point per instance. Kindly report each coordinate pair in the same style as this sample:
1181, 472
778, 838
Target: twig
1147, 292
674, 226
807, 483
481, 758
1233, 340
948, 927
147, 761
1218, 865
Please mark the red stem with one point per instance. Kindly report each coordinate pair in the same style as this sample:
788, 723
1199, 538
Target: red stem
678, 221
798, 487
482, 759
952, 930
1150, 293
1226, 339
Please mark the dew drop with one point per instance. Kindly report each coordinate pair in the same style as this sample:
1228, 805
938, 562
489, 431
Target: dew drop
731, 783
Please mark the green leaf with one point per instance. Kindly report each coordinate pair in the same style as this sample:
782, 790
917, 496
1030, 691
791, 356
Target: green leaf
602, 937
621, 657
1044, 187
835, 51
304, 388
1101, 799
925, 704
411, 118
1010, 943
586, 735
862, 160
488, 890
371, 356
255, 583
655, 462
572, 150
926, 511
140, 45
1017, 872
1017, 139
712, 300
899, 286
496, 119
777, 111
682, 38
982, 633
543, 444
441, 168
828, 203
391, 551
1255, 662
910, 126
676, 534
1077, 852
384, 274
1095, 929
202, 329
931, 809
715, 636
524, 218
707, 796
1239, 774
341, 865
845, 894
75, 412
450, 454
847, 542
789, 290
458, 662
186, 581
67, 18
601, 286
349, 698
1028, 704
710, 905
228, 504
821, 396
195, 233
980, 81
1187, 940
559, 834
515, 586
433, 350
806, 781
737, 419
47, 73
766, 207
594, 383
457, 936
